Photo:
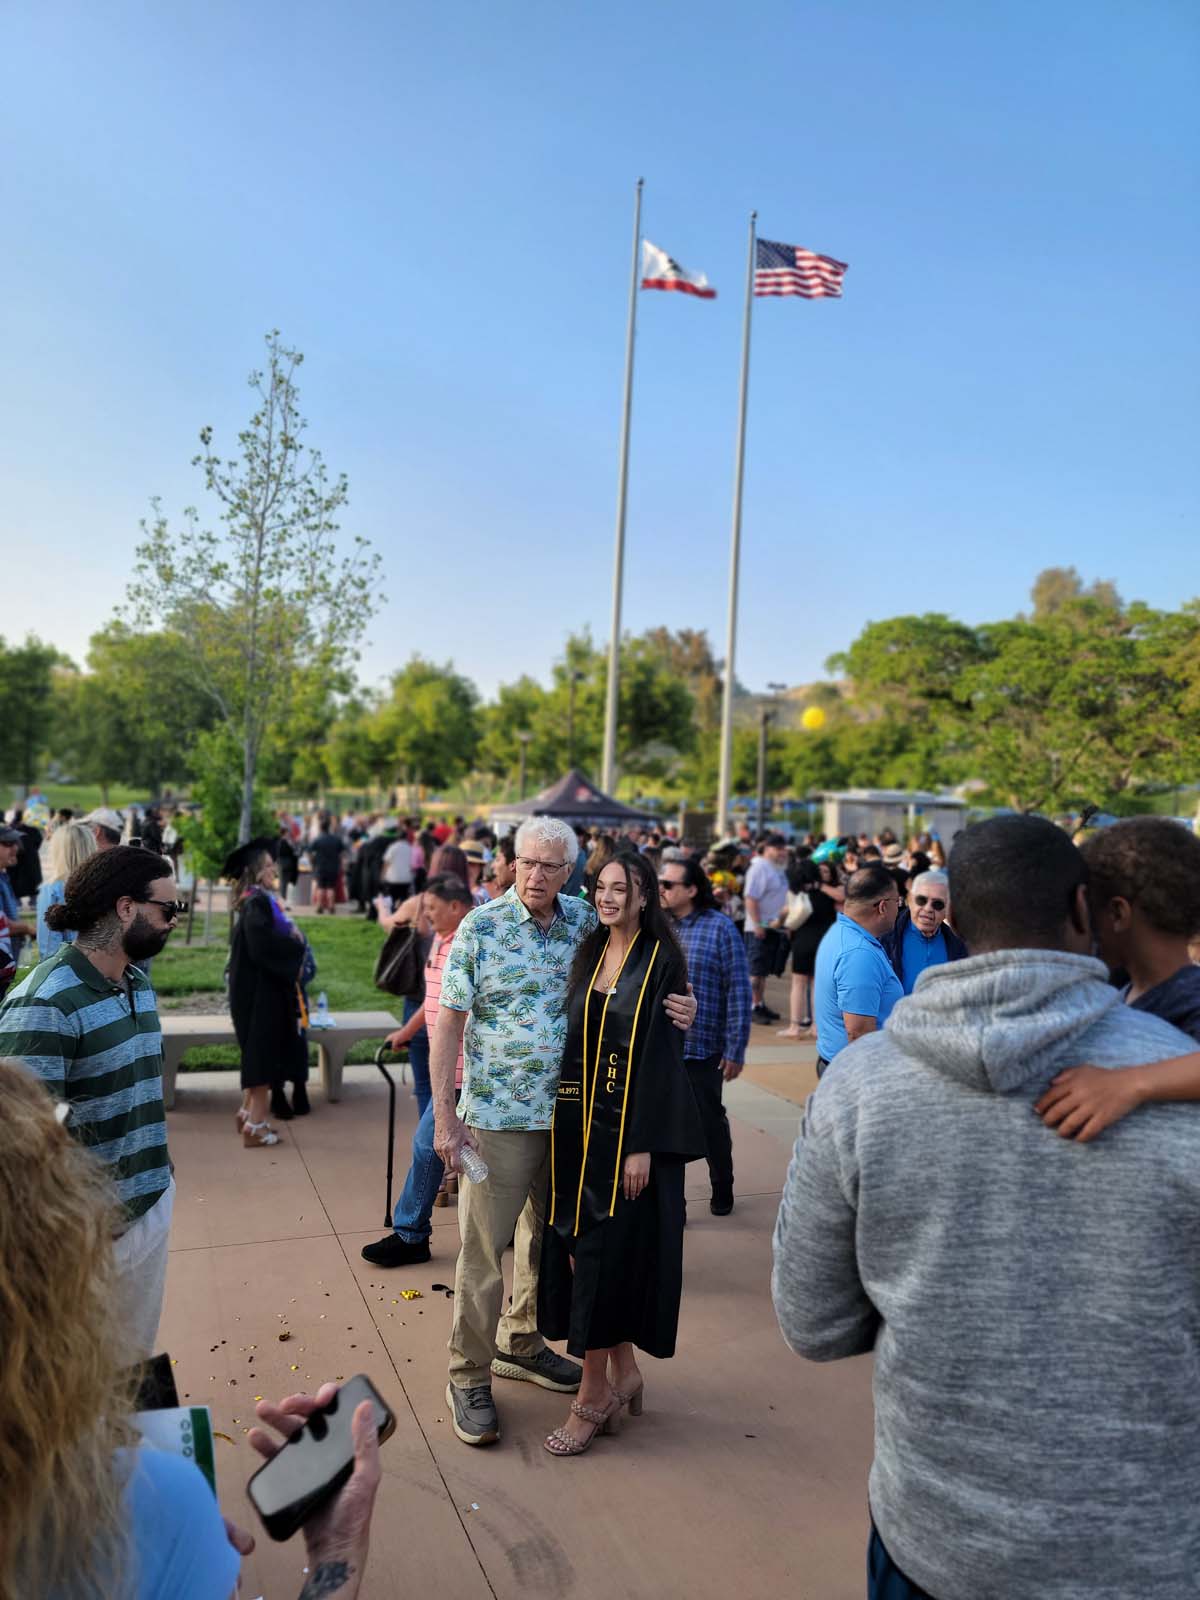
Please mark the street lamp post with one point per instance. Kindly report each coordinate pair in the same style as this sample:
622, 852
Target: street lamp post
573, 678
524, 739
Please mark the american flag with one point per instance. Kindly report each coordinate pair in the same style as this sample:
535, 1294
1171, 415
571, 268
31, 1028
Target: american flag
790, 269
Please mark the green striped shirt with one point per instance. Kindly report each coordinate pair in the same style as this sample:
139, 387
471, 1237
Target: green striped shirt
98, 1045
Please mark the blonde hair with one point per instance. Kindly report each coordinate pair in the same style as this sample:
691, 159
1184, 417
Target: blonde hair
70, 846
64, 1397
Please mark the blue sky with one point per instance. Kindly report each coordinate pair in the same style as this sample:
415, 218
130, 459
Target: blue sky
435, 205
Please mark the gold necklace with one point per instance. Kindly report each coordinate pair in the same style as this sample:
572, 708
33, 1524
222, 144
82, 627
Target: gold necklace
607, 977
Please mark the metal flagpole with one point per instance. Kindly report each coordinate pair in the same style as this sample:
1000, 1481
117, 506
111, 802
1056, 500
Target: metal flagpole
723, 785
608, 779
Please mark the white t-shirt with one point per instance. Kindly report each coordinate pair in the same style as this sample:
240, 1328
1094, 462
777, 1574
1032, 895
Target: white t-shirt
397, 864
767, 884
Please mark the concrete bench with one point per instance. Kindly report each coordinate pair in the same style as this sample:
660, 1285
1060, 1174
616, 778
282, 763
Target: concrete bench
182, 1032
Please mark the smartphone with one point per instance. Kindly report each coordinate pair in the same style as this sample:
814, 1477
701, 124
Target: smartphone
315, 1463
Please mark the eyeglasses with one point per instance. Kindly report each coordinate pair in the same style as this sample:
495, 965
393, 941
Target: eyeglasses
172, 910
530, 862
924, 900
671, 883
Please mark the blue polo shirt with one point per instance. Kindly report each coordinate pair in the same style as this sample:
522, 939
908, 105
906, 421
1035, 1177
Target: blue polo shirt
854, 974
919, 953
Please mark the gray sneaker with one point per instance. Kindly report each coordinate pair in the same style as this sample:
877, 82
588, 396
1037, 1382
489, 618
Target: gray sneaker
472, 1414
545, 1368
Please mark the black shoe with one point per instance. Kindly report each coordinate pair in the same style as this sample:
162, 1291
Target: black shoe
546, 1369
280, 1110
774, 1015
721, 1203
761, 1014
300, 1105
473, 1414
393, 1251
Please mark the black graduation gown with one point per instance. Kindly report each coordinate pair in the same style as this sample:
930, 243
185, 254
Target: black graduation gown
264, 997
629, 1095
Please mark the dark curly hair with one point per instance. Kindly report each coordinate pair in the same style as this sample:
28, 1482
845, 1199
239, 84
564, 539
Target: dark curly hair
93, 889
655, 924
1153, 863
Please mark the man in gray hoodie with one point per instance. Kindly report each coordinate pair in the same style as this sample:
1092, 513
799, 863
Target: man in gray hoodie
1033, 1304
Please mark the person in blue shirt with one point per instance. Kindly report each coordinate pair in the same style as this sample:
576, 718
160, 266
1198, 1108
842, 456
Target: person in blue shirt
921, 937
854, 986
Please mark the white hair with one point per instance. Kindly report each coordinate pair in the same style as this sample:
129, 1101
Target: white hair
552, 830
935, 876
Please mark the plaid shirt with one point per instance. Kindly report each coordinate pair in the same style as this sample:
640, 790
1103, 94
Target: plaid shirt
720, 975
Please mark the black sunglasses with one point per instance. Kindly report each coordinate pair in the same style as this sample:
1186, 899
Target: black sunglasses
171, 909
924, 900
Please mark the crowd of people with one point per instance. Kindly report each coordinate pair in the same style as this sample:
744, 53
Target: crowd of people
994, 1187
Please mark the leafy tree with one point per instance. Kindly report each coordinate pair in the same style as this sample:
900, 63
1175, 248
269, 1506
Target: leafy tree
210, 834
1055, 587
427, 729
26, 707
269, 597
133, 715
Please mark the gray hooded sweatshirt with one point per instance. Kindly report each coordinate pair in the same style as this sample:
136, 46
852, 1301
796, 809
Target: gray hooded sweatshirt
1033, 1303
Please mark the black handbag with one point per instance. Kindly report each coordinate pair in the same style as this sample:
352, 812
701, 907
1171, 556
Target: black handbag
400, 969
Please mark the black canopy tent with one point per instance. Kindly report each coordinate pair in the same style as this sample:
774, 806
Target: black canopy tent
576, 800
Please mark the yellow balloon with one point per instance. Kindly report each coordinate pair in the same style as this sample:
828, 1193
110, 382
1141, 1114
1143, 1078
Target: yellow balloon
813, 718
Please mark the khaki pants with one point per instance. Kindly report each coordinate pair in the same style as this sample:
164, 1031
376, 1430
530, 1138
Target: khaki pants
513, 1198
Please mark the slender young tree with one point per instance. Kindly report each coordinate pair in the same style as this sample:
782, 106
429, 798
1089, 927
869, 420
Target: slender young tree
268, 596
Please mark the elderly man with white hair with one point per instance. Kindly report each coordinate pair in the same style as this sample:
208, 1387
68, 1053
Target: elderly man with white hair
503, 1000
922, 937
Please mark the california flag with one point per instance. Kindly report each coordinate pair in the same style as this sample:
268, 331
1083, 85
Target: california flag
659, 271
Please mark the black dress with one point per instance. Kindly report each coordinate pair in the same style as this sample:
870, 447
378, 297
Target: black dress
809, 934
628, 1094
264, 995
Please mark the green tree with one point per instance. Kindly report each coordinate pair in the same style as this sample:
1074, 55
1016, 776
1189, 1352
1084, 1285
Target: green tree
270, 596
1055, 587
26, 708
428, 726
211, 833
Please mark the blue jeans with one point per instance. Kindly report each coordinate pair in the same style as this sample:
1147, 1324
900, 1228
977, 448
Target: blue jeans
418, 1059
412, 1218
885, 1581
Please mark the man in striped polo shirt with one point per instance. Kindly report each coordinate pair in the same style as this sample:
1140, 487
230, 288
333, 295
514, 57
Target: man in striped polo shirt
86, 1023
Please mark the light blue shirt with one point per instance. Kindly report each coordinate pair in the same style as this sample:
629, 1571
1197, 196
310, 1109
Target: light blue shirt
853, 974
511, 976
50, 894
919, 953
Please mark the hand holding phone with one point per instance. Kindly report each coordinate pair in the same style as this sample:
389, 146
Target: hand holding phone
324, 1474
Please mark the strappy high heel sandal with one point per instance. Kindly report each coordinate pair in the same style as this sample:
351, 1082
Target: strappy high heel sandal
258, 1135
561, 1443
632, 1397
242, 1118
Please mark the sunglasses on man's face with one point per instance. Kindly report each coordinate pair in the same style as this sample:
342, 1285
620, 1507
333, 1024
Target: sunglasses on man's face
924, 900
172, 910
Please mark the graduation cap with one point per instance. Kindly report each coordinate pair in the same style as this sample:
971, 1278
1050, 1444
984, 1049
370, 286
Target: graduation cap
238, 860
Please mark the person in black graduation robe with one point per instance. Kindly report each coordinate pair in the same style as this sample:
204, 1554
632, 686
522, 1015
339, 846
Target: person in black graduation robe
266, 998
612, 1266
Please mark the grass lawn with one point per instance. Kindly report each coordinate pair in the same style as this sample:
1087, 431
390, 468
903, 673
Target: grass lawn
345, 948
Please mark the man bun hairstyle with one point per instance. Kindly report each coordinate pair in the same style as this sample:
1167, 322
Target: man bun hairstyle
1152, 862
1013, 881
869, 884
93, 889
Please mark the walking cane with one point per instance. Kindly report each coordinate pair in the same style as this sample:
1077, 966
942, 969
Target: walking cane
391, 1083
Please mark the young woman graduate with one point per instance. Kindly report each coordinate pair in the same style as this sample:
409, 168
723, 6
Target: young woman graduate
269, 964
625, 1122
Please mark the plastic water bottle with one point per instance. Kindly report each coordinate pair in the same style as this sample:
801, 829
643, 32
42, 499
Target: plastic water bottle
472, 1163
322, 1018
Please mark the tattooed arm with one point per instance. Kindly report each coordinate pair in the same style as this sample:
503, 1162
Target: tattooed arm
336, 1538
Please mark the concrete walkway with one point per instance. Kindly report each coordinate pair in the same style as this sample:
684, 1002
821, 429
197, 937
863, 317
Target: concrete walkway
746, 1475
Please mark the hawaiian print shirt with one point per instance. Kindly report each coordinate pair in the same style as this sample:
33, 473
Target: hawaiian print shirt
511, 975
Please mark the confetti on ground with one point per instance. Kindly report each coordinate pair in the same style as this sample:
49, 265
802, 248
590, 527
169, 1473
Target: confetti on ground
411, 1294
295, 1367
225, 1436
285, 1336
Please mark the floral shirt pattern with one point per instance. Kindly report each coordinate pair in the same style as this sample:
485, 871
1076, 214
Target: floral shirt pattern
511, 975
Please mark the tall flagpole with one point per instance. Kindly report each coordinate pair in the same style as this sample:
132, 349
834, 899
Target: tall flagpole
735, 547
608, 781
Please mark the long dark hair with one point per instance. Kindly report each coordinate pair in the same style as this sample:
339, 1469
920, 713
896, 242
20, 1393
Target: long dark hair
655, 924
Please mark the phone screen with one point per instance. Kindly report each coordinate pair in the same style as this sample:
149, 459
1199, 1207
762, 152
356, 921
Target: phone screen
316, 1462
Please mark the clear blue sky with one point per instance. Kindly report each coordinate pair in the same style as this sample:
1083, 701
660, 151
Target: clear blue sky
435, 204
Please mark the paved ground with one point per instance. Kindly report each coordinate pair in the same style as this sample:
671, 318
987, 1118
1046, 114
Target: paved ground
745, 1476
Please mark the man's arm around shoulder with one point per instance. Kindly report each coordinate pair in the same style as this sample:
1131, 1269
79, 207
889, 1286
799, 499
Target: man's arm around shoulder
823, 1309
